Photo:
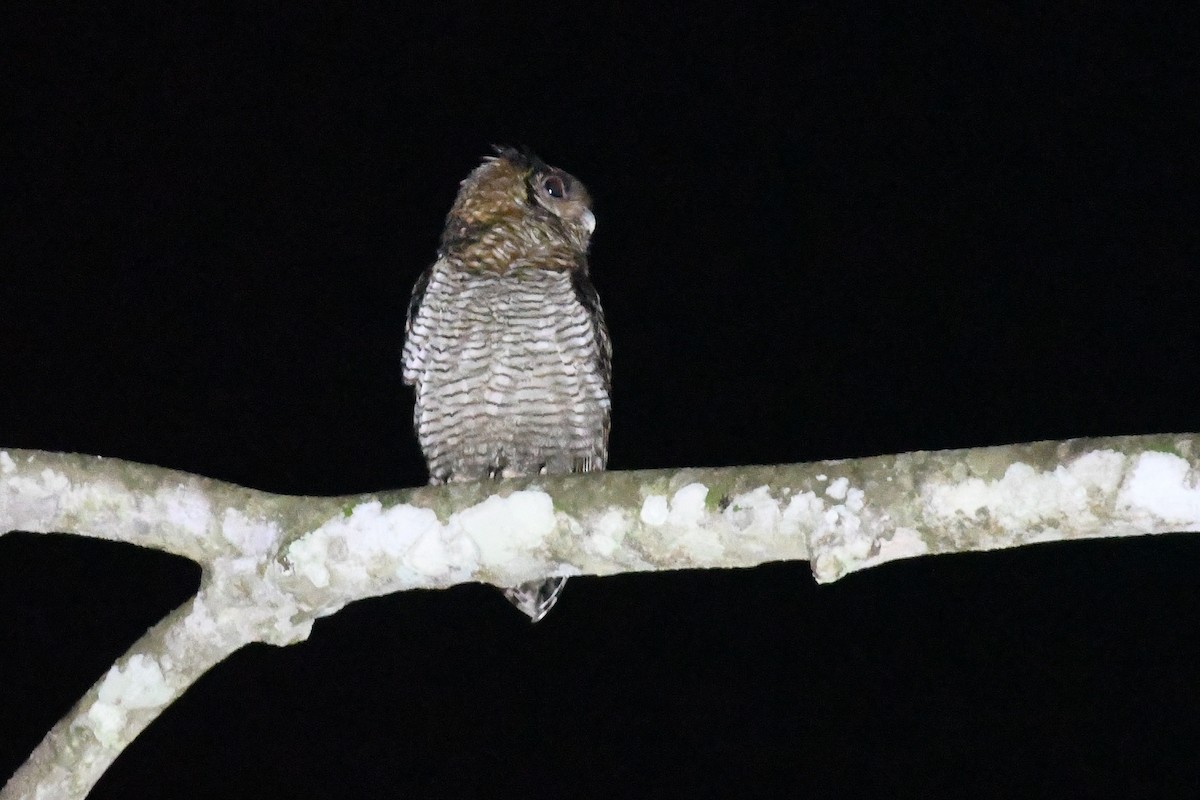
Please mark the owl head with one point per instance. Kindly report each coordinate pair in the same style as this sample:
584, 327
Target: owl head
517, 191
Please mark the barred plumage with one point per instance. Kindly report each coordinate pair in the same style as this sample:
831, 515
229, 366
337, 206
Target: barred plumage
506, 344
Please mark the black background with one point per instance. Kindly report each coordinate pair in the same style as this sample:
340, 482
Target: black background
821, 234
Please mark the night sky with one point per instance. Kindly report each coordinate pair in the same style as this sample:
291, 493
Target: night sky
821, 234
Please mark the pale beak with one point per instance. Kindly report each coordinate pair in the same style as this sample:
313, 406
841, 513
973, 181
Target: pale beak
588, 220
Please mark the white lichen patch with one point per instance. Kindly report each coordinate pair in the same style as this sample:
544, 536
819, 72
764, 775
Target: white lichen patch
701, 544
804, 510
507, 531
200, 624
240, 603
840, 540
1158, 487
438, 552
830, 564
140, 684
252, 538
306, 557
608, 532
755, 513
684, 518
845, 517
687, 505
55, 482
1100, 470
375, 545
50, 500
48, 485
7, 465
683, 515
655, 510
185, 508
838, 488
1025, 496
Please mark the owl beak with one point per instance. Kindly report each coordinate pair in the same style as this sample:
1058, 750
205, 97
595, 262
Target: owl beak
588, 220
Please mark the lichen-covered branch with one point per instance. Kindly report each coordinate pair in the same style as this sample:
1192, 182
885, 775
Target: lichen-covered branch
274, 563
159, 668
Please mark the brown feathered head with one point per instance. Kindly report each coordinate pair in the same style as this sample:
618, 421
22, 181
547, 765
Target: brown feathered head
516, 199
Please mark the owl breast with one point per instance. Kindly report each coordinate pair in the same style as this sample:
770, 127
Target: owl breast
508, 376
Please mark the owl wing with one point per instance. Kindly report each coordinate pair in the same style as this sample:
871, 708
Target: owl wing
416, 331
589, 298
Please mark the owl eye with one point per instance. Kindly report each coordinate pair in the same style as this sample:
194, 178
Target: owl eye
554, 187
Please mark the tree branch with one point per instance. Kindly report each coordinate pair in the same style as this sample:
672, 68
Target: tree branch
273, 563
155, 672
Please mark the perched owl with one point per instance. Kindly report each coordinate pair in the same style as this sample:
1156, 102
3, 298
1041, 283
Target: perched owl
506, 345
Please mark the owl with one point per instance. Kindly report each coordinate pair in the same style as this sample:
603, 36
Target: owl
506, 345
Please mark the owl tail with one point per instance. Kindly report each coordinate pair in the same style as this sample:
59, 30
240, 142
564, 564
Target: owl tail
536, 598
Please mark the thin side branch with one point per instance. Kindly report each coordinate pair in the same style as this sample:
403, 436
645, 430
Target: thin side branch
274, 563
155, 672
